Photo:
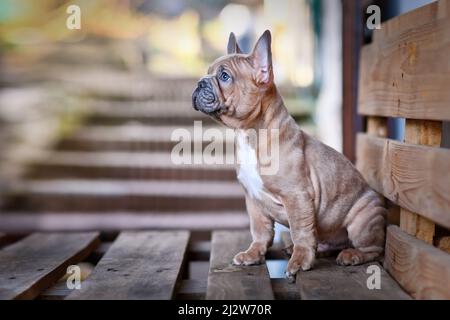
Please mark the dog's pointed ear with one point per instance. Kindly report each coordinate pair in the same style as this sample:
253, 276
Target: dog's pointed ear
233, 46
262, 59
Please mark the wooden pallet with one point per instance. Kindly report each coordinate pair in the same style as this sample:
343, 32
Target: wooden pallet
405, 74
170, 265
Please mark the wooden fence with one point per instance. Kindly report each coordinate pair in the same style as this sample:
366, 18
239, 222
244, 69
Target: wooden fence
405, 73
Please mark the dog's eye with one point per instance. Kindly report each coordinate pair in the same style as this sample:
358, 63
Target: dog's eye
224, 76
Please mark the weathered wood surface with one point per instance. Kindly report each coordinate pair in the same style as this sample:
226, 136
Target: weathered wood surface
36, 262
284, 290
118, 221
125, 165
191, 289
139, 265
226, 281
77, 195
424, 133
415, 177
422, 270
329, 281
405, 71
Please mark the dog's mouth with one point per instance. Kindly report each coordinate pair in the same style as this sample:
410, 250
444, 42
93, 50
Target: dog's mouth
204, 100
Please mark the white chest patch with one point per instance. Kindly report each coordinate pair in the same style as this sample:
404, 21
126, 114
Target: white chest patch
248, 167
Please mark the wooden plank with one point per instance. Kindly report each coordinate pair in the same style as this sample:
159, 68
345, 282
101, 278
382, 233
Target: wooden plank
422, 270
84, 195
228, 282
405, 71
428, 133
139, 265
192, 289
36, 262
412, 176
284, 290
328, 281
378, 127
118, 221
188, 290
424, 133
416, 225
56, 292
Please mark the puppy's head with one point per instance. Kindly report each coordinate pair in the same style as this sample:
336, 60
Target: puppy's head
236, 84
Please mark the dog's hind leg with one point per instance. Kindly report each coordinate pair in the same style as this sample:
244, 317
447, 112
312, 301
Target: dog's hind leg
366, 232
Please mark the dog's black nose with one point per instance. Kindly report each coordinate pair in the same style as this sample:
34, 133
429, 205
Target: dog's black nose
202, 84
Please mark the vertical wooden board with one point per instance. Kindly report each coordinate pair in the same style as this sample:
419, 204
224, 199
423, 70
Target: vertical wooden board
416, 225
284, 290
138, 266
329, 281
424, 133
422, 270
36, 262
228, 282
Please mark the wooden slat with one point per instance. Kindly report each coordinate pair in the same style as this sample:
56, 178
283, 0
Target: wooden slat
226, 281
424, 133
192, 289
36, 262
412, 176
139, 265
328, 281
284, 290
56, 292
405, 71
422, 270
189, 290
118, 221
84, 195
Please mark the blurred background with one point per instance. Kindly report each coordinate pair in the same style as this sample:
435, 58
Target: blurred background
87, 105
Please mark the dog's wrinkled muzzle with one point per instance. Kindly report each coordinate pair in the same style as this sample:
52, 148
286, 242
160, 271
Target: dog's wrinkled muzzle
204, 98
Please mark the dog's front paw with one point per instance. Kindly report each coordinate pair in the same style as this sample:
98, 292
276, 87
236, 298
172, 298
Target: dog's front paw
350, 257
302, 259
248, 258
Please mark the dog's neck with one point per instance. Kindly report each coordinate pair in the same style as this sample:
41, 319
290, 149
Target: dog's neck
272, 112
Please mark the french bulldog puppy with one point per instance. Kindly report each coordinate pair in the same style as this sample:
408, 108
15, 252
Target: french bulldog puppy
316, 192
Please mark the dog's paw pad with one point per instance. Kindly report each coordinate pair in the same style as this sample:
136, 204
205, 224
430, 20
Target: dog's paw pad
246, 259
350, 257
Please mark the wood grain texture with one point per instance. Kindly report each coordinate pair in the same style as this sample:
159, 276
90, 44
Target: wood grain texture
422, 270
405, 71
328, 281
119, 221
192, 289
416, 225
284, 290
36, 262
229, 282
139, 265
424, 133
415, 177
